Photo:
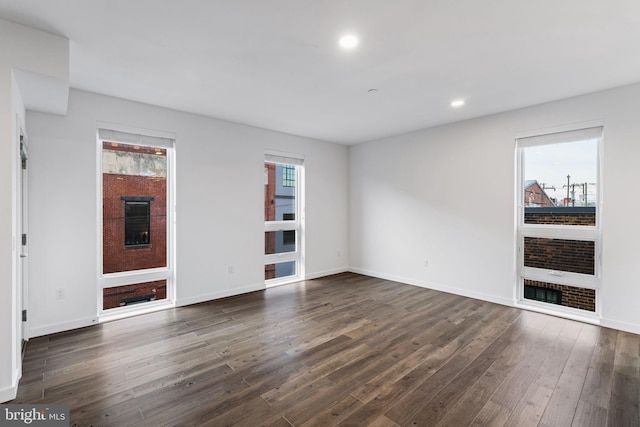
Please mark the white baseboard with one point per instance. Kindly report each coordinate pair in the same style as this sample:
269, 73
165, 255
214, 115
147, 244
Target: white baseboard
393, 278
331, 272
622, 326
62, 326
10, 393
436, 287
470, 294
180, 302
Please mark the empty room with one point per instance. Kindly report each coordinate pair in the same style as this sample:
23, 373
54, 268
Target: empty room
317, 213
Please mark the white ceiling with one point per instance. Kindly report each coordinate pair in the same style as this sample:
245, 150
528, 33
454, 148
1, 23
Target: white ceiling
276, 64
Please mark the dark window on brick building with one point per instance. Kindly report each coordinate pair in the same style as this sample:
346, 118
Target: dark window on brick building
289, 236
288, 176
137, 222
551, 296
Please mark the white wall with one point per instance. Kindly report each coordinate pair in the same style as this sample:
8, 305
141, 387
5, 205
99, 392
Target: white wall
220, 191
447, 195
47, 57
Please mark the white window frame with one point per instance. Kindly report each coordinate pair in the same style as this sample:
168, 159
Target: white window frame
296, 225
551, 231
149, 138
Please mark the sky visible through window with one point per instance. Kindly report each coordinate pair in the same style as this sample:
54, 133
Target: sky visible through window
550, 165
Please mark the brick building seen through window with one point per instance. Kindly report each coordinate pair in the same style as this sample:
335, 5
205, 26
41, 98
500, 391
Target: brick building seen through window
134, 229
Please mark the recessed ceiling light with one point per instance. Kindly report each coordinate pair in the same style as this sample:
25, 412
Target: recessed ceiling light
373, 91
348, 41
457, 103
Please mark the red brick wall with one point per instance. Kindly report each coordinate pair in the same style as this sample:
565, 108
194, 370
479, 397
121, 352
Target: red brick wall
563, 255
575, 256
532, 217
534, 195
572, 296
113, 297
116, 256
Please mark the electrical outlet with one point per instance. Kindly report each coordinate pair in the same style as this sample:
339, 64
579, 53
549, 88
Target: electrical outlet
61, 293
230, 269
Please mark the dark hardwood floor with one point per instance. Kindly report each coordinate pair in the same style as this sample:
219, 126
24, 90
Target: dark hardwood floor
343, 350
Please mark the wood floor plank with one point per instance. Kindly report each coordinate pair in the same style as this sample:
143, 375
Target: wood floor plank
439, 405
406, 390
491, 415
472, 401
561, 407
254, 412
344, 350
333, 415
507, 395
530, 409
597, 385
588, 415
404, 411
534, 400
625, 388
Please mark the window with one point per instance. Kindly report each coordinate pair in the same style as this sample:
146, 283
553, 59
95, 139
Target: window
135, 223
289, 237
121, 296
289, 176
283, 223
137, 220
551, 296
558, 226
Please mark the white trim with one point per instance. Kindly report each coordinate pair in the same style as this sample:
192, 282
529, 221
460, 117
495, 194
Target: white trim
436, 287
550, 136
297, 225
281, 226
621, 326
63, 326
181, 302
134, 139
568, 232
286, 280
118, 127
10, 393
391, 277
283, 157
164, 140
567, 278
132, 277
559, 311
576, 135
311, 276
567, 127
135, 310
281, 257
